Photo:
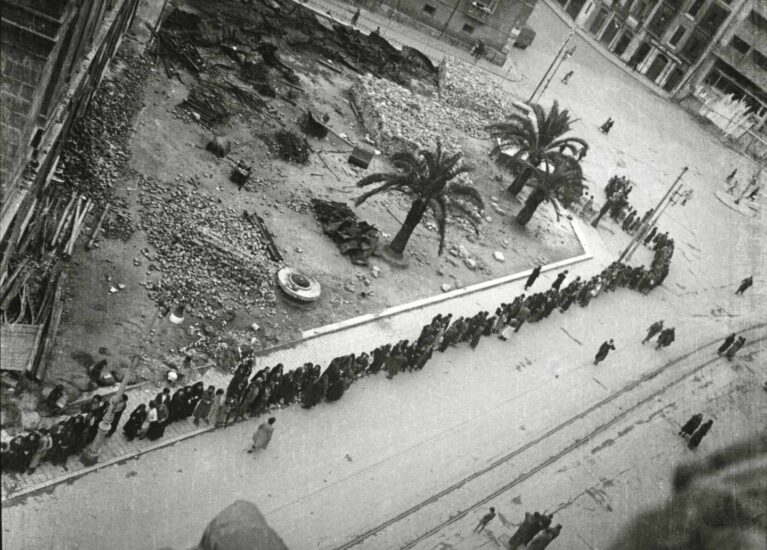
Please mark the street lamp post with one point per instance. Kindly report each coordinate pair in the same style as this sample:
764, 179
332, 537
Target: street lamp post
652, 220
568, 53
553, 62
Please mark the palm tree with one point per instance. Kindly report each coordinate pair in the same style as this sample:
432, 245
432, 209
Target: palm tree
564, 183
426, 176
536, 137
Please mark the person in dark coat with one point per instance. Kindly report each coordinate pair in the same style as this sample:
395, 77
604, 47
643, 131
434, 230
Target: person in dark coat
654, 329
559, 280
202, 410
544, 538
355, 17
733, 349
533, 276
135, 421
335, 384
699, 433
524, 532
650, 235
667, 336
744, 285
118, 411
484, 520
726, 344
158, 417
604, 349
177, 403
691, 425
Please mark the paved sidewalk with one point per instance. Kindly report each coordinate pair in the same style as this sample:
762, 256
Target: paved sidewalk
329, 343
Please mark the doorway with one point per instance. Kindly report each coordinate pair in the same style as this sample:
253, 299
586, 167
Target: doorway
623, 43
656, 67
639, 55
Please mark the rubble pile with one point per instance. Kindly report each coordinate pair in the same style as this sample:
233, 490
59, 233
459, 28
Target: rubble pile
467, 87
205, 254
291, 147
356, 239
96, 151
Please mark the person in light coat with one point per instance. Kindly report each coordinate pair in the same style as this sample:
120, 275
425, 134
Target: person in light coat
263, 435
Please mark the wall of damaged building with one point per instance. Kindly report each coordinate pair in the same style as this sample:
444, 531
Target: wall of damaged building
462, 22
53, 56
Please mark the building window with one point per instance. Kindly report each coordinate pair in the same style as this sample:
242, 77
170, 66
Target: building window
759, 60
468, 29
695, 45
758, 21
429, 9
695, 7
662, 19
740, 46
677, 36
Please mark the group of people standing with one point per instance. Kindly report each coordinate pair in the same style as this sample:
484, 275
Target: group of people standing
694, 430
252, 394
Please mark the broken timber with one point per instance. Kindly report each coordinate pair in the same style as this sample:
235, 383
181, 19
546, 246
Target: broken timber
271, 247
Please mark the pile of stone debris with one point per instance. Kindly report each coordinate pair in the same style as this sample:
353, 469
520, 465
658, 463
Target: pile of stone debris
207, 256
354, 238
468, 87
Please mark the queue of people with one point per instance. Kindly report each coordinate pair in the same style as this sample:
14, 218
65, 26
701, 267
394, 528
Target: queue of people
251, 394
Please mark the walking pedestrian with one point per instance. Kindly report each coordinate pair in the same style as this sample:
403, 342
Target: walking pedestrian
654, 329
728, 179
263, 435
691, 425
744, 285
355, 17
733, 349
726, 344
567, 77
544, 538
667, 336
699, 434
487, 518
559, 280
533, 276
604, 349
118, 411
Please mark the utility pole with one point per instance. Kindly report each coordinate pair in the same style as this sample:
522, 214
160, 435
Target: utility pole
568, 53
652, 220
553, 61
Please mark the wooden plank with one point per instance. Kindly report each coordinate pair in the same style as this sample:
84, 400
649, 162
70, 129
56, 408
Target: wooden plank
46, 355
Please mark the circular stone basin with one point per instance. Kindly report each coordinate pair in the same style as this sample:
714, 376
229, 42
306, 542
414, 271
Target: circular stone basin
297, 285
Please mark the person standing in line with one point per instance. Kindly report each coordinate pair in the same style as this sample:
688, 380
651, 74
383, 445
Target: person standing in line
691, 425
263, 435
118, 411
654, 329
604, 349
726, 344
744, 285
559, 280
533, 276
524, 532
44, 445
355, 17
699, 434
204, 406
484, 520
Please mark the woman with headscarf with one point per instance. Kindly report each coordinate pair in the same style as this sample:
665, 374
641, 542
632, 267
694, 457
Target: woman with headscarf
62, 441
44, 445
135, 421
79, 434
335, 383
30, 445
218, 402
205, 404
151, 426
224, 413
248, 399
195, 395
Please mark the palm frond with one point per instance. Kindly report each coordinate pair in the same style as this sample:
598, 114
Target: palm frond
466, 192
400, 180
376, 178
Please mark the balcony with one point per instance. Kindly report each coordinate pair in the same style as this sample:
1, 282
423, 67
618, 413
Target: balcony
479, 11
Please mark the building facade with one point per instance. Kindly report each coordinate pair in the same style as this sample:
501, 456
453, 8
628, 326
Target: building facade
496, 23
53, 54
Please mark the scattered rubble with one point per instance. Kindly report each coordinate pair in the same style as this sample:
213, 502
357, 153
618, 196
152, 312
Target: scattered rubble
356, 239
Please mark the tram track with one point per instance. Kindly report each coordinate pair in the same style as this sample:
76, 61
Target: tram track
359, 539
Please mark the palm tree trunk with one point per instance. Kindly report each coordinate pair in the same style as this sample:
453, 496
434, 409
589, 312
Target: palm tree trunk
520, 181
531, 205
412, 220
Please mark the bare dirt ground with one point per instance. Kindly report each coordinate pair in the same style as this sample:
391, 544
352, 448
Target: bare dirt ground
171, 179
